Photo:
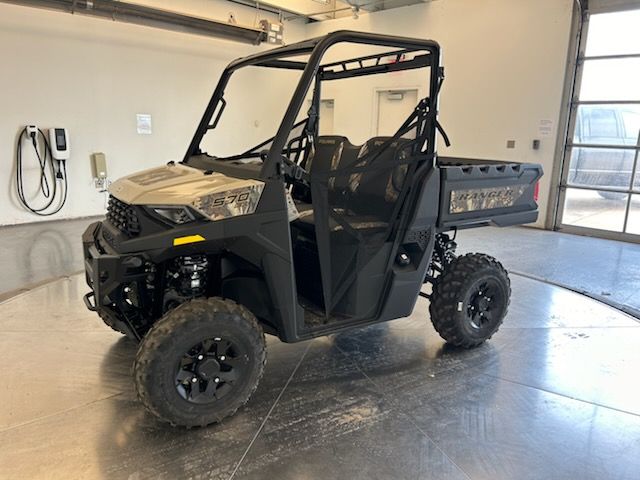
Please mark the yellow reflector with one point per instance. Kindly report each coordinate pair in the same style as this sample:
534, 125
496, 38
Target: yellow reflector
187, 239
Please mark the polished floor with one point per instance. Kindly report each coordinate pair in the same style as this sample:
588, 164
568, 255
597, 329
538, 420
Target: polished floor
604, 269
39, 252
554, 395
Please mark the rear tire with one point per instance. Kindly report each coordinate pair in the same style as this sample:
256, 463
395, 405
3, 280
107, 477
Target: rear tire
200, 362
615, 196
470, 300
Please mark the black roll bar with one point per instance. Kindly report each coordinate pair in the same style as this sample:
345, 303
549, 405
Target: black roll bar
316, 49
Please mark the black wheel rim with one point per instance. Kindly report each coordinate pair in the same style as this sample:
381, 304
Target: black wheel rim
210, 370
486, 304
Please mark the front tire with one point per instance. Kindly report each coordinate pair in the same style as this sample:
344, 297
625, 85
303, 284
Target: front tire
470, 300
200, 362
111, 324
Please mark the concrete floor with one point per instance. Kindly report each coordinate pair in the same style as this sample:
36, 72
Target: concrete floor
553, 395
603, 269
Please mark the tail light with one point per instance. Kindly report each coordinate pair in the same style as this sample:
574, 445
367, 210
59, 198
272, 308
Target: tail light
536, 191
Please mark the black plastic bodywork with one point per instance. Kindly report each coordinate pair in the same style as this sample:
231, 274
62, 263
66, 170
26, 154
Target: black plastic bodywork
273, 266
512, 184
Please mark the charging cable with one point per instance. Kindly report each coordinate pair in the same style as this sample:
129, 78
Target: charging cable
49, 174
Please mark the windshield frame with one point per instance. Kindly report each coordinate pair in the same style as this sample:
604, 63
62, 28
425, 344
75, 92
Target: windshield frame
312, 70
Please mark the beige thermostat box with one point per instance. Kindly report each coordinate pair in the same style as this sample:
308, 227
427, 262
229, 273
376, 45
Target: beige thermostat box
99, 165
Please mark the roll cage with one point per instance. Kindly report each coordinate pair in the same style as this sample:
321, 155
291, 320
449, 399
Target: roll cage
285, 152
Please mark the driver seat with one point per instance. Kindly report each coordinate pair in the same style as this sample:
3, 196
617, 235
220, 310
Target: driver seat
325, 156
364, 199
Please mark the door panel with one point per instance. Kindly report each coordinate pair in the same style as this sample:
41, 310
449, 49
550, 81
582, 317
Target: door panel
611, 79
326, 117
600, 161
633, 222
595, 209
600, 167
608, 124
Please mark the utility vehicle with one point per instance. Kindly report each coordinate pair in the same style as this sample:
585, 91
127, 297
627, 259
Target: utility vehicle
301, 236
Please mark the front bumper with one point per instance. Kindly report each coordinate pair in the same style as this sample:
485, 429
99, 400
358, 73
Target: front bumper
107, 273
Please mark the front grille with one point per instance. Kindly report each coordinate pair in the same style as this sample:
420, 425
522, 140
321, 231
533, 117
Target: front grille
123, 217
108, 236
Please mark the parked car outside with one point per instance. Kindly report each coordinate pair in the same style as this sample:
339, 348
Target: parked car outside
602, 167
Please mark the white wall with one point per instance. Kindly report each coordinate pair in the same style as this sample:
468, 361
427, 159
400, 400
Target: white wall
356, 99
504, 60
504, 64
92, 76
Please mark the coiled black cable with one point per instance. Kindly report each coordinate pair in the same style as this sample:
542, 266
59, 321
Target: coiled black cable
48, 192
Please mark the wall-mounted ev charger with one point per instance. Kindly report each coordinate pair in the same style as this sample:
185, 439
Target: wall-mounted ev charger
50, 155
59, 143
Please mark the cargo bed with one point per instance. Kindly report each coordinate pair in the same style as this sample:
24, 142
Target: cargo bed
478, 192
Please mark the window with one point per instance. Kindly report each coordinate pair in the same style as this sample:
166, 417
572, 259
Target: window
631, 122
600, 187
602, 124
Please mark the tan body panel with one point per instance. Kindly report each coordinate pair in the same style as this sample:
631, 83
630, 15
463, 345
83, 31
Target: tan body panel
175, 185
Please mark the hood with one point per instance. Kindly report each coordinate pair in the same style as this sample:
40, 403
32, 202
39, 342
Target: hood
175, 184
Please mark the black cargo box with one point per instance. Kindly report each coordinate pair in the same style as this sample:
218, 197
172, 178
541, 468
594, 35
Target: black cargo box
483, 192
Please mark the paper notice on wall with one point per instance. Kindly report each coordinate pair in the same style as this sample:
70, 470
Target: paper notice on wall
143, 123
545, 128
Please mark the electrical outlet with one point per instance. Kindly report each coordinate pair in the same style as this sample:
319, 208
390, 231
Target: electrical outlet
32, 131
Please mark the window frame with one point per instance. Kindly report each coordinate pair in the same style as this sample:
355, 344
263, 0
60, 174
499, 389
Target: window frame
569, 115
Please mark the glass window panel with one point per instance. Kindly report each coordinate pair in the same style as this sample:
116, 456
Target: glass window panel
237, 132
605, 124
594, 209
630, 123
600, 167
633, 223
614, 33
636, 181
613, 79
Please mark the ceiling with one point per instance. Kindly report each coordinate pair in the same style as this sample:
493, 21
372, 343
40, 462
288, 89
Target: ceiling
318, 10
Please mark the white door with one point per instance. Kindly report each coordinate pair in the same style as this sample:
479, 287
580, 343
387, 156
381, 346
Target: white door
394, 106
326, 117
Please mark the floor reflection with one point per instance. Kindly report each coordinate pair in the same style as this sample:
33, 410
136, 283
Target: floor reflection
552, 395
39, 252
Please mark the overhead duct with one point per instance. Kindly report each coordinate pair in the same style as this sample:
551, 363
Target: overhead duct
150, 17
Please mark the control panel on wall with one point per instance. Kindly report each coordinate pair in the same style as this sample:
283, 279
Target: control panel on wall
99, 171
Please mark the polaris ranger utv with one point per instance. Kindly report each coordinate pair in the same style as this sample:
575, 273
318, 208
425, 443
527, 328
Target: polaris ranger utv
301, 236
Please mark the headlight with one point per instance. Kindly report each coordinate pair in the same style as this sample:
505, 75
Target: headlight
177, 215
